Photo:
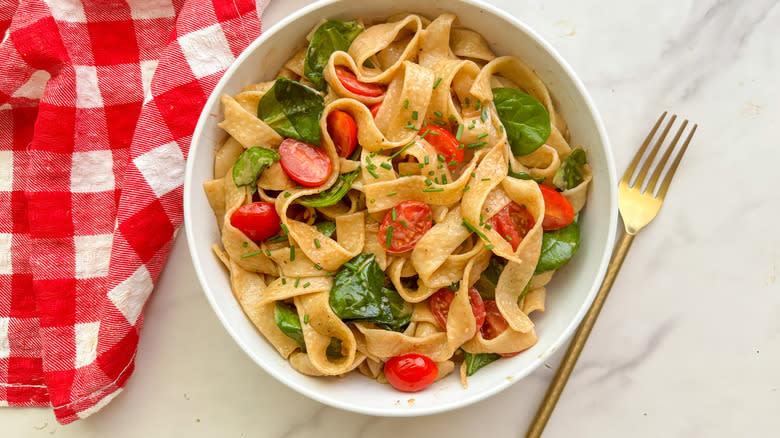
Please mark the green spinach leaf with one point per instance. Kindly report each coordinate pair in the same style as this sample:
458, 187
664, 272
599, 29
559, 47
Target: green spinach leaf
331, 36
569, 175
251, 163
326, 228
523, 175
359, 294
292, 110
476, 361
333, 194
558, 247
289, 323
486, 285
526, 121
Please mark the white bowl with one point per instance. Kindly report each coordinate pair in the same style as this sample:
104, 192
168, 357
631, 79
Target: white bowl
570, 292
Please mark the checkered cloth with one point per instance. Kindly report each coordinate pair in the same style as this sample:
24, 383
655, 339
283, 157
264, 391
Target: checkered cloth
98, 102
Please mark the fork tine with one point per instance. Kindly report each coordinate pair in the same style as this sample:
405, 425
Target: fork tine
640, 179
673, 169
661, 164
638, 156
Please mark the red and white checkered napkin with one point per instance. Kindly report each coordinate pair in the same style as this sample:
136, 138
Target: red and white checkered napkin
98, 101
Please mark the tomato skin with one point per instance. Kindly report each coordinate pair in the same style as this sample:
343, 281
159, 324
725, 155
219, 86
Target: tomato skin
411, 372
440, 306
445, 143
257, 220
495, 324
558, 211
343, 130
514, 221
307, 165
375, 109
417, 217
351, 83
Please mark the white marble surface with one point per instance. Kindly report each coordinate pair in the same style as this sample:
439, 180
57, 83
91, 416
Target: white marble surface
688, 345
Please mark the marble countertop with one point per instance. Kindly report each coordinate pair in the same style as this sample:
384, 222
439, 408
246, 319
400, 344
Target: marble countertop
688, 345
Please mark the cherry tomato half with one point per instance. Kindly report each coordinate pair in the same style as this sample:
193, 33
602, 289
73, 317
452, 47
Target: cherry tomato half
343, 130
558, 211
513, 222
375, 109
411, 372
445, 144
306, 164
412, 220
351, 83
257, 220
442, 300
495, 324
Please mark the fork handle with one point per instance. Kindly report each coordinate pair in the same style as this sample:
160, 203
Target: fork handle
578, 341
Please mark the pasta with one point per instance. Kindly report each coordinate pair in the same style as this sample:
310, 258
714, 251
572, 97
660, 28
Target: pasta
398, 191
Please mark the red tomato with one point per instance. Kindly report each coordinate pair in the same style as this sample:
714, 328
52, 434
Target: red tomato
375, 109
558, 212
351, 83
442, 300
495, 324
343, 130
411, 372
514, 221
257, 220
412, 220
306, 164
445, 144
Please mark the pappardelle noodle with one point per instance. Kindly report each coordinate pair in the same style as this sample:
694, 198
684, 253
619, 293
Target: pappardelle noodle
397, 199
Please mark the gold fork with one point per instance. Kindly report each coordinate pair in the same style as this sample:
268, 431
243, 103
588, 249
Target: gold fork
638, 206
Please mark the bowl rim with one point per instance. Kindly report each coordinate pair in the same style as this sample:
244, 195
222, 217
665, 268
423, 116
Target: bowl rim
564, 336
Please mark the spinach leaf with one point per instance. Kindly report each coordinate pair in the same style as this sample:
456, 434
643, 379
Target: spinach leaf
558, 247
476, 361
289, 323
358, 294
326, 228
524, 292
333, 194
331, 36
569, 175
251, 163
523, 175
486, 285
292, 110
526, 121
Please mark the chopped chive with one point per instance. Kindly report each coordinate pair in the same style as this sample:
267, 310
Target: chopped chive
483, 117
393, 215
392, 194
466, 189
425, 124
489, 247
436, 84
292, 253
414, 115
389, 236
251, 254
485, 179
297, 281
444, 179
473, 125
460, 131
406, 103
483, 135
452, 117
474, 229
453, 163
284, 228
438, 113
481, 219
440, 166
267, 253
431, 173
372, 201
245, 244
277, 238
428, 182
410, 127
440, 157
306, 318
473, 175
425, 133
318, 267
477, 145
317, 243
461, 146
307, 284
284, 280
508, 237
287, 194
371, 171
434, 133
380, 151
421, 165
403, 223
386, 165
328, 274
403, 149
436, 180
440, 122
488, 227
477, 105
501, 129
426, 160
434, 189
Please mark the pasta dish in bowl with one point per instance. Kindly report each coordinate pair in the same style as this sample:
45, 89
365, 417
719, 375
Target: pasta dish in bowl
393, 201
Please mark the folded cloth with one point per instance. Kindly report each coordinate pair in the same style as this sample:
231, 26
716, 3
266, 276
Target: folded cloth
98, 102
